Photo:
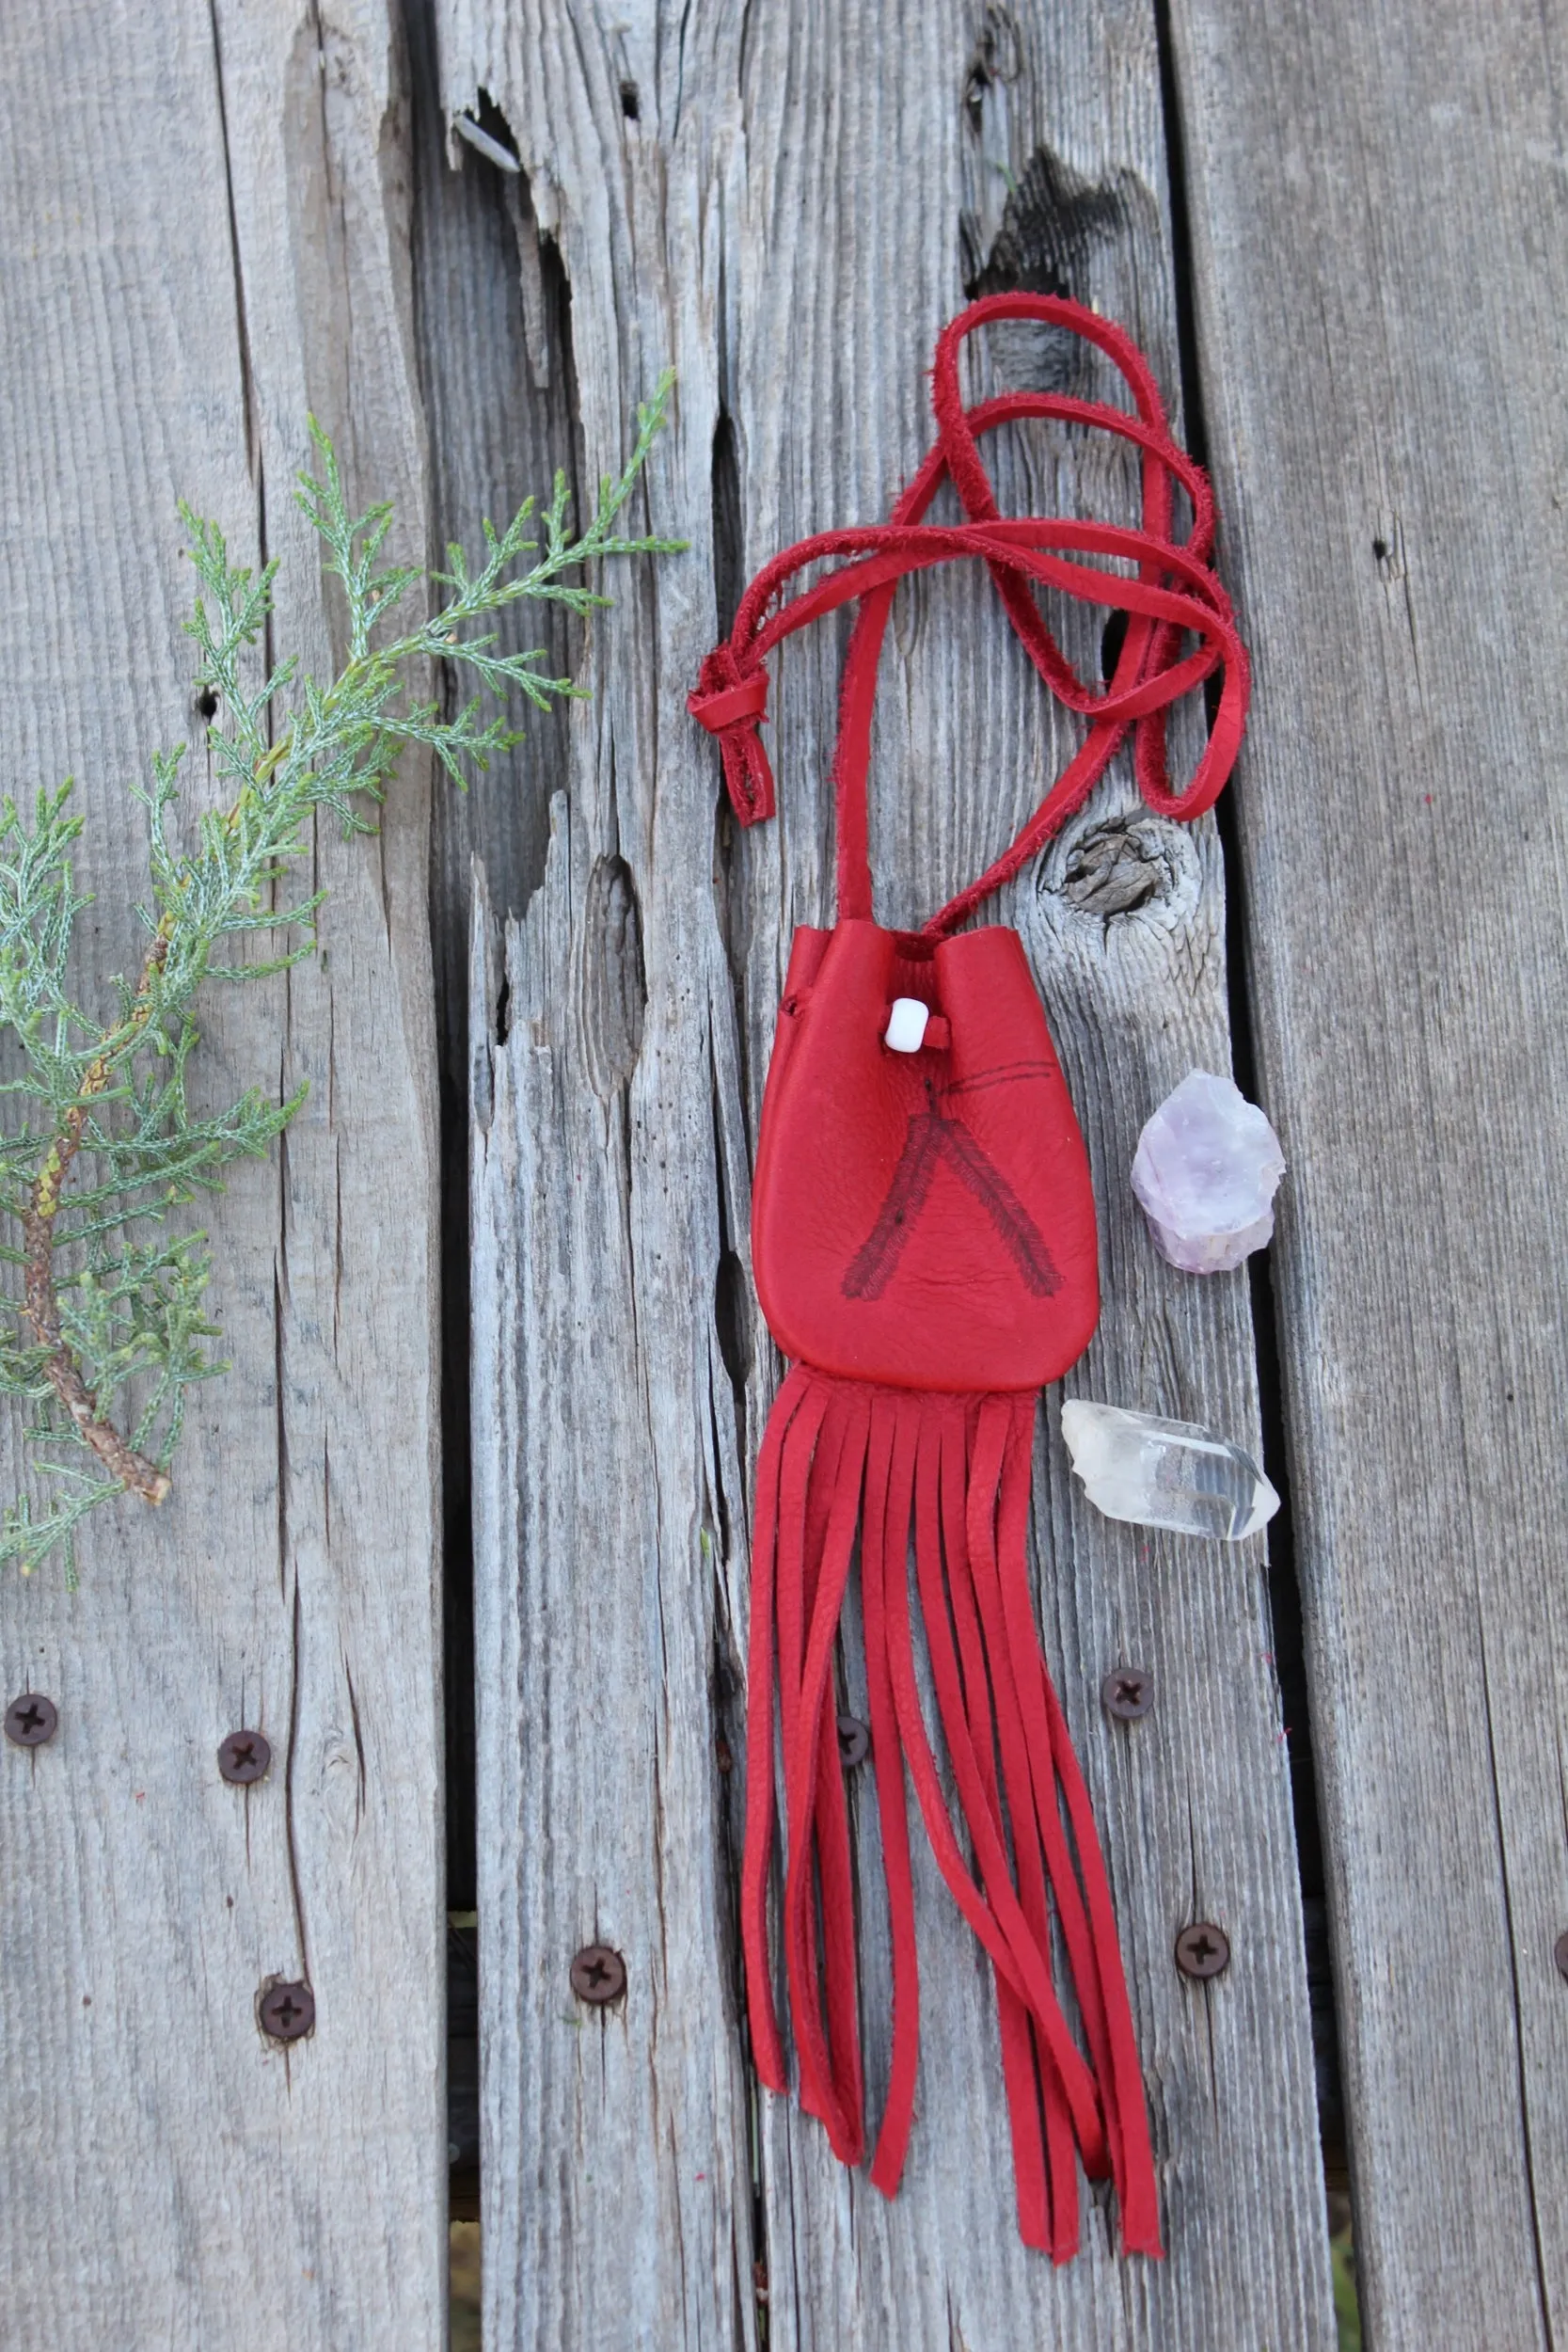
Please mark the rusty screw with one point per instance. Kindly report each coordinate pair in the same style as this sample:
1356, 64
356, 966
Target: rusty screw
1202, 1951
287, 2011
243, 1758
1559, 1953
31, 1720
1127, 1693
855, 1741
598, 1975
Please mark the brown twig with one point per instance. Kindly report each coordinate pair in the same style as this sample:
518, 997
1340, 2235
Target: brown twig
134, 1472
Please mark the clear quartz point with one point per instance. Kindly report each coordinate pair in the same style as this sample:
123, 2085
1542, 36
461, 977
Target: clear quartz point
1166, 1473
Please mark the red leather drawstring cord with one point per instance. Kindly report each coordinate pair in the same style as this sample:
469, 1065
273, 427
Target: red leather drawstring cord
1176, 591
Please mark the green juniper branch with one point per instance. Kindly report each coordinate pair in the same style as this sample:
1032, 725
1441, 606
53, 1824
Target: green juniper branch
101, 1142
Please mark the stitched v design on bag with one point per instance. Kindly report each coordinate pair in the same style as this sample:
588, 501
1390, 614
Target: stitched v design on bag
933, 1137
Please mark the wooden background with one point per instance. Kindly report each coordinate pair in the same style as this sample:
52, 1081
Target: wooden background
1340, 234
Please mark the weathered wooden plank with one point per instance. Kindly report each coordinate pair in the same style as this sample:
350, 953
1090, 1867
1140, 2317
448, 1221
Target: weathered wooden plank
203, 215
1378, 219
491, 320
786, 203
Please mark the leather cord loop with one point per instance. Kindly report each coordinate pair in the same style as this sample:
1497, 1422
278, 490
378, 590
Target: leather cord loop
732, 707
1174, 593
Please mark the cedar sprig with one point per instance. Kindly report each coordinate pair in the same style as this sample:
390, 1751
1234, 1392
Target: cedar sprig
106, 1331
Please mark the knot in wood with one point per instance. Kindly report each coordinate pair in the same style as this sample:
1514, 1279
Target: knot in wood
614, 985
1116, 868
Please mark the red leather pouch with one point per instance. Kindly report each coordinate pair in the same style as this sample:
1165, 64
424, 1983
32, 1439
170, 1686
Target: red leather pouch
922, 1218
923, 1241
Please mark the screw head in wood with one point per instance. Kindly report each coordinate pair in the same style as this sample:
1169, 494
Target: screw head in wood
31, 1720
855, 1741
1127, 1693
1559, 1953
245, 1756
598, 1975
287, 2011
1202, 1951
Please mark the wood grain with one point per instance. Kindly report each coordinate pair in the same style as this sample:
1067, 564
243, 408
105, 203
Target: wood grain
494, 335
1380, 320
204, 214
787, 204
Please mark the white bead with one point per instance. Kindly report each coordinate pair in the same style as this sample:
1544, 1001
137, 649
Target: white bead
906, 1027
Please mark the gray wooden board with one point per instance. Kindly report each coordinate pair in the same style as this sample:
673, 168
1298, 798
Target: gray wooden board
495, 354
1379, 205
785, 204
203, 219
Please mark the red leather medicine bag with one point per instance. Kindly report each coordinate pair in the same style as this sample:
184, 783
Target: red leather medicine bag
923, 1241
924, 1212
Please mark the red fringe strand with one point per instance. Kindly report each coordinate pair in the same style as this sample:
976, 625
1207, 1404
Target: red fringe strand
840, 1458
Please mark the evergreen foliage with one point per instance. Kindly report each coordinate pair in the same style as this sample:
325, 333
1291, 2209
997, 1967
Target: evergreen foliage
106, 1328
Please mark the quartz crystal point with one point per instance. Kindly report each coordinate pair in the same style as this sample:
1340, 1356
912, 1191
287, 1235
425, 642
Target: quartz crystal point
1205, 1173
1166, 1473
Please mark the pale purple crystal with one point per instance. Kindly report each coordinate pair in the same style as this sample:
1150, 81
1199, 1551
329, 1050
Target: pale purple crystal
1205, 1173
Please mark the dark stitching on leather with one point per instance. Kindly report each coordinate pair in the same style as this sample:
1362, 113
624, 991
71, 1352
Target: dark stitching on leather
931, 1139
999, 1076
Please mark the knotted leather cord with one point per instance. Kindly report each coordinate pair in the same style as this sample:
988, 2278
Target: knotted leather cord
1176, 591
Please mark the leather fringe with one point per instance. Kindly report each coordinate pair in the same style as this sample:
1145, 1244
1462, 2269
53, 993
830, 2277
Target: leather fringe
841, 1458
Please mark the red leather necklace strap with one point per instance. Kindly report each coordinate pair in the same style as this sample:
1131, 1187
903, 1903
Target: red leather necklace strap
1014, 545
732, 698
1147, 645
852, 756
1175, 592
